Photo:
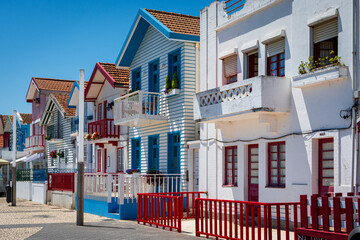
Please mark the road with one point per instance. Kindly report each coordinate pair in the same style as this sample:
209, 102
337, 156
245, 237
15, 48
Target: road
30, 220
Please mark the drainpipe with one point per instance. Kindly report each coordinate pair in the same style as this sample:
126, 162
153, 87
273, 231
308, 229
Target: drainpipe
197, 66
354, 179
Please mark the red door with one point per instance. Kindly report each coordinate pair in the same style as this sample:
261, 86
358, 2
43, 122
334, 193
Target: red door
253, 172
326, 166
105, 160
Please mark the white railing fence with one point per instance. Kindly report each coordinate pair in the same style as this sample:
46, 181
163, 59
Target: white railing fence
126, 186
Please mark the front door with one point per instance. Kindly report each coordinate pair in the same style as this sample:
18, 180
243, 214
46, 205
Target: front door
153, 155
174, 153
326, 166
253, 173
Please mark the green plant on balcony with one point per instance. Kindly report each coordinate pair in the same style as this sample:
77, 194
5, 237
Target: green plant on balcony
61, 154
53, 154
175, 81
48, 138
95, 135
88, 137
167, 84
321, 63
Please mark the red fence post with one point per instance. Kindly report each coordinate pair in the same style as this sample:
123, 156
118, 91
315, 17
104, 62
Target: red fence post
325, 212
337, 219
314, 212
197, 209
180, 205
349, 214
303, 211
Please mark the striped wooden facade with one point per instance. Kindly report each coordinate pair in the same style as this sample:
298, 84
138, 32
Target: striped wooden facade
179, 108
61, 141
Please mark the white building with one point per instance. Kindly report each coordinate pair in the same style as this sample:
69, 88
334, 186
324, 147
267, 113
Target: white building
268, 133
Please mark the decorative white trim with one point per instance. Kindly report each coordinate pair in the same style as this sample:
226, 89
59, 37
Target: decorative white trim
322, 17
250, 46
274, 36
228, 53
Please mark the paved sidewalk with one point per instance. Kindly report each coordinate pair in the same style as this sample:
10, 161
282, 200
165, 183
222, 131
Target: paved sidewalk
30, 220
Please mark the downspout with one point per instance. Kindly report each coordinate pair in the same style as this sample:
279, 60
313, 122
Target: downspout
197, 66
216, 77
355, 156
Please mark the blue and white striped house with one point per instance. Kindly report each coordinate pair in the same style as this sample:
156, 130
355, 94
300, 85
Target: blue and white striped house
160, 116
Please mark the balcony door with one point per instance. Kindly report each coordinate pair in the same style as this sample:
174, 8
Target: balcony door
174, 153
326, 166
154, 76
135, 153
153, 154
253, 173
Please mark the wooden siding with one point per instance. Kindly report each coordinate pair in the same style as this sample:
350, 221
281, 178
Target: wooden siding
65, 144
178, 108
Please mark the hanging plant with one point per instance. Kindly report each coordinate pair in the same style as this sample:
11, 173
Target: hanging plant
53, 154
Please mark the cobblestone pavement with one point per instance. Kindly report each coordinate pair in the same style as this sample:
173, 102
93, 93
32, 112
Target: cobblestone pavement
30, 220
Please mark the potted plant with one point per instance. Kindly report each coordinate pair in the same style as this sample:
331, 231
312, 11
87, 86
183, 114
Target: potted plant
172, 87
53, 154
88, 137
151, 178
60, 154
135, 172
167, 84
48, 138
95, 135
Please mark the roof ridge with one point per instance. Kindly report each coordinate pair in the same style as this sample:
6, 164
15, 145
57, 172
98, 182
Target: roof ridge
54, 79
106, 63
171, 13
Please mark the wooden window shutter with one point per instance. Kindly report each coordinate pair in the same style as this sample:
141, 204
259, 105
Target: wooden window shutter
275, 48
326, 30
230, 66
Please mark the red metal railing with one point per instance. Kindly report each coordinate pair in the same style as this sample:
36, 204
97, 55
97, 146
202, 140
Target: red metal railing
61, 181
188, 199
331, 217
105, 128
245, 220
160, 210
35, 141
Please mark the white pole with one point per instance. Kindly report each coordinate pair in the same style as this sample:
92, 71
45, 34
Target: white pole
80, 168
14, 160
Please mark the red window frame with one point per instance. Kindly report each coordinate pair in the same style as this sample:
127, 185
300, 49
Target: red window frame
105, 160
325, 189
279, 58
99, 160
231, 159
278, 165
120, 159
105, 111
100, 112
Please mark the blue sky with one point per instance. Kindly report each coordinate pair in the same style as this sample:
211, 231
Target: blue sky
55, 39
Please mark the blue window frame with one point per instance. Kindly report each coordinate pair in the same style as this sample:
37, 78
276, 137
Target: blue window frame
135, 153
153, 154
174, 152
175, 65
136, 79
154, 76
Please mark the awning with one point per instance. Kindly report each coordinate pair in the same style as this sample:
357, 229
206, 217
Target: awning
35, 157
4, 162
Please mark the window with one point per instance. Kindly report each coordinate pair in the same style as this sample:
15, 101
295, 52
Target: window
135, 153
230, 69
252, 64
276, 164
153, 163
105, 160
154, 76
230, 166
105, 110
100, 111
325, 39
120, 160
99, 160
136, 80
174, 152
276, 58
174, 65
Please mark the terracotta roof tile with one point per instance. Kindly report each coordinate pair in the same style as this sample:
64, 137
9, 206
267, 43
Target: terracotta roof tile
27, 117
62, 99
178, 23
54, 84
120, 76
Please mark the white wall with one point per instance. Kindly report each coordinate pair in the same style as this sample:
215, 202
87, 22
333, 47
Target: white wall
311, 108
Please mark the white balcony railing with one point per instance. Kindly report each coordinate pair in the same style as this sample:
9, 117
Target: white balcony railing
125, 186
258, 94
35, 141
139, 109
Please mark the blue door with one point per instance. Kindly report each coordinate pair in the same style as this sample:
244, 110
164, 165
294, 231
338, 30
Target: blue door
135, 153
174, 153
153, 154
136, 80
154, 76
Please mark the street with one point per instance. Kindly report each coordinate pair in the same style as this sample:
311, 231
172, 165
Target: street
30, 220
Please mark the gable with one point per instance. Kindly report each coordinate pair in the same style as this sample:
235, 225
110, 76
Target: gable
8, 125
1, 126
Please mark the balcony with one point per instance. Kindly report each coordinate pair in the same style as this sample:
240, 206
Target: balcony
35, 141
105, 128
140, 109
243, 99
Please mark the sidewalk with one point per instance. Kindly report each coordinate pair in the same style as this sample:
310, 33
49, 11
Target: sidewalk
37, 221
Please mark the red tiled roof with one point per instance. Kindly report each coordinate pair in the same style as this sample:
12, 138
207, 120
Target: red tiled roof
54, 84
62, 99
178, 23
120, 76
27, 117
